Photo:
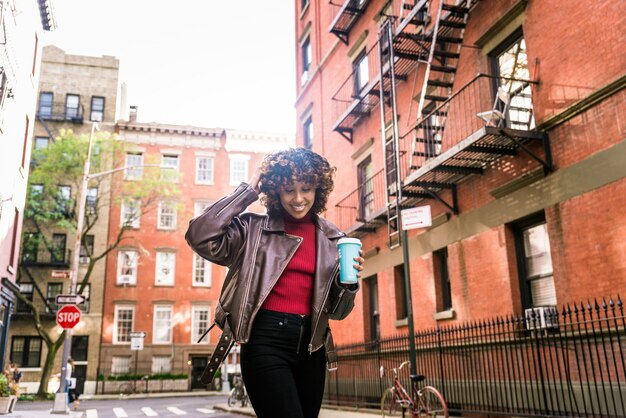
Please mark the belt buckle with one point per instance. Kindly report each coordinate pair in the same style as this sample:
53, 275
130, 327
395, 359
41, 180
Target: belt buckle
332, 366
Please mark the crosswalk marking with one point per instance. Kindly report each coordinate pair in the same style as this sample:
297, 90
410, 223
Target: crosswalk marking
176, 410
149, 412
120, 413
205, 410
91, 413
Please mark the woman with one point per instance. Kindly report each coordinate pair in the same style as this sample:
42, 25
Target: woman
282, 286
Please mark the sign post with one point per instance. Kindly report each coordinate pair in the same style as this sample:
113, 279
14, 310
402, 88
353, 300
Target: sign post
136, 344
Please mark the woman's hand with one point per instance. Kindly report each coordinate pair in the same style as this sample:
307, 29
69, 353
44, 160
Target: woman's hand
254, 180
360, 260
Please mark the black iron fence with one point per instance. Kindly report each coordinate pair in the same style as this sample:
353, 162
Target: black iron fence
546, 363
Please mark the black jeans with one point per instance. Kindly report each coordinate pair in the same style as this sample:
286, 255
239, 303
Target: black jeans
282, 379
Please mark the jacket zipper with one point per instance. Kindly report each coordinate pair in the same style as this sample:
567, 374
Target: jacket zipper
256, 308
249, 281
316, 323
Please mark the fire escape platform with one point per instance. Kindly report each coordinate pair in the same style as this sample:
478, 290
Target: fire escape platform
471, 155
346, 18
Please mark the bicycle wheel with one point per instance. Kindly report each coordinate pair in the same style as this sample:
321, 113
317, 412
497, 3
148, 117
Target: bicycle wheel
126, 389
389, 406
244, 399
430, 403
233, 397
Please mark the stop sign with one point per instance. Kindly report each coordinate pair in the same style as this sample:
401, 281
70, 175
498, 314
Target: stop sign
68, 316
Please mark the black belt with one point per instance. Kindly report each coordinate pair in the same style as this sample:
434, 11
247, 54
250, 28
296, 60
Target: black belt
221, 351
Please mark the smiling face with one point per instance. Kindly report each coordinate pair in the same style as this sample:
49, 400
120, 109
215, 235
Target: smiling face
297, 198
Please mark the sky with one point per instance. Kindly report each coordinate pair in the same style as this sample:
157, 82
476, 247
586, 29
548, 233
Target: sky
207, 63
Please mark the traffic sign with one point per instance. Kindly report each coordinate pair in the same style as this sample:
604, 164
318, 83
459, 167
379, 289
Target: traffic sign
137, 334
69, 299
418, 217
136, 343
60, 274
68, 316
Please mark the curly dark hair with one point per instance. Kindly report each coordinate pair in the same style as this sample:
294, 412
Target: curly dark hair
295, 164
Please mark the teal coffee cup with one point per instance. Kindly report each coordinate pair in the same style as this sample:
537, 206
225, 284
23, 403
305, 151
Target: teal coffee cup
348, 249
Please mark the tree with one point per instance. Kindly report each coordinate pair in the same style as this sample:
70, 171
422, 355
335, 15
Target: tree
54, 181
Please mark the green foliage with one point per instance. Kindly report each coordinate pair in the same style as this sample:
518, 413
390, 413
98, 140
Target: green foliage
4, 386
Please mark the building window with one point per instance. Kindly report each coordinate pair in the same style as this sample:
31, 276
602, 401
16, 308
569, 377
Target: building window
97, 109
162, 324
360, 71
120, 365
80, 347
204, 170
127, 267
92, 200
59, 245
123, 324
238, 170
131, 213
308, 132
30, 247
170, 174
161, 364
16, 220
372, 310
165, 267
26, 289
303, 4
26, 351
402, 311
64, 194
41, 142
306, 51
201, 272
200, 322
25, 143
3, 87
72, 106
365, 174
513, 93
442, 280
432, 129
134, 160
200, 206
534, 263
86, 248
45, 104
167, 215
53, 290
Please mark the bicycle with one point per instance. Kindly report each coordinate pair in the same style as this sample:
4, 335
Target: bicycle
130, 388
425, 402
238, 392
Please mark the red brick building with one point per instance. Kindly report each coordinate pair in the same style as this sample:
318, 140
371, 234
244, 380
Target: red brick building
155, 283
506, 118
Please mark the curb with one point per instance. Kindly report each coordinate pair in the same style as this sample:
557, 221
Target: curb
151, 395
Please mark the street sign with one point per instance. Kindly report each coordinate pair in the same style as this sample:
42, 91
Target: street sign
68, 316
60, 274
136, 343
418, 217
69, 299
137, 334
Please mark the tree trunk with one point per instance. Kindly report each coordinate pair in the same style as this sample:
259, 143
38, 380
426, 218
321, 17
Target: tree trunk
48, 365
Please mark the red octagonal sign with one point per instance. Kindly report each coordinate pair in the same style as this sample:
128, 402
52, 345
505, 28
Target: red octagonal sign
68, 316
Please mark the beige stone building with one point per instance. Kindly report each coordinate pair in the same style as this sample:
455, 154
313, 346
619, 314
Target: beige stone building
74, 93
22, 25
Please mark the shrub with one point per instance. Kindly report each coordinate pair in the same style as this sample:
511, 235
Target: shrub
4, 386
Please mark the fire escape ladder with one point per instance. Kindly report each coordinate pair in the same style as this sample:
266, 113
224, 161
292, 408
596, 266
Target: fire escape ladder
389, 131
52, 133
444, 39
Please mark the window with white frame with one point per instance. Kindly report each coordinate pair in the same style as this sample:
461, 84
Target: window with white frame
360, 73
123, 324
200, 206
307, 128
162, 324
167, 215
131, 213
201, 272
168, 160
120, 365
127, 267
238, 169
165, 266
161, 364
200, 322
134, 160
306, 51
204, 170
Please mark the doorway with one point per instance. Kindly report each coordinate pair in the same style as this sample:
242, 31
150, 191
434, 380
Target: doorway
198, 364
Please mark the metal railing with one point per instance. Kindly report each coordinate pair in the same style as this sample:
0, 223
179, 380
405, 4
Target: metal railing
508, 365
362, 204
60, 258
59, 112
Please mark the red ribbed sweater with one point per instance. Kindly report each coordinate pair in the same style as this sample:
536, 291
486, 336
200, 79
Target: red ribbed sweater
293, 291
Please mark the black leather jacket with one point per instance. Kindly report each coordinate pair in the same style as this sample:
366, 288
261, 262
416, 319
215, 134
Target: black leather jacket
256, 250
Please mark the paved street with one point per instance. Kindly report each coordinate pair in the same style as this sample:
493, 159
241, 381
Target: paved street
191, 407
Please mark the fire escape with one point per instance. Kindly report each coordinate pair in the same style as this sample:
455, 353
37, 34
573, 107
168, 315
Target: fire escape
460, 130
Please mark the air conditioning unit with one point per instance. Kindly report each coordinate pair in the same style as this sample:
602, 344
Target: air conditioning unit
126, 279
542, 317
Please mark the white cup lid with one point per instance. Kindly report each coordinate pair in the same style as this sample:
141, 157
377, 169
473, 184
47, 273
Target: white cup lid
347, 240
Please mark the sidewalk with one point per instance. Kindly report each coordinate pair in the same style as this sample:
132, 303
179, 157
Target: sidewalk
325, 412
